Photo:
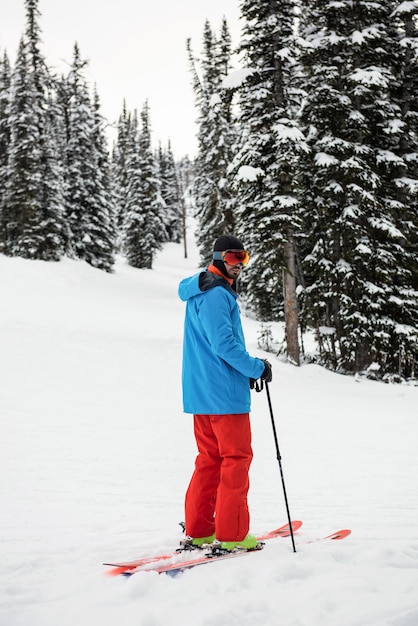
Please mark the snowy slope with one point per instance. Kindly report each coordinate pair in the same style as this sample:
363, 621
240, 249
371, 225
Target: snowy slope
96, 454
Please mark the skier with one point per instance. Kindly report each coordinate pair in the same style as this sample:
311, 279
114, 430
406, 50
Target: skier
217, 371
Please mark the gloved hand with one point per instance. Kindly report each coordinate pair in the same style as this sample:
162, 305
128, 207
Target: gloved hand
267, 374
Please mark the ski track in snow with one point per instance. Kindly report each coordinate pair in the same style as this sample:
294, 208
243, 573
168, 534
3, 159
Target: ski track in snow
96, 455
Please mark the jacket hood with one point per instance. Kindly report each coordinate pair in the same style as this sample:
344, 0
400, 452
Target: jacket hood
189, 287
197, 284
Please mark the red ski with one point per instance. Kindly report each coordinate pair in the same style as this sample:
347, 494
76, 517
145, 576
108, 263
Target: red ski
340, 534
130, 567
173, 569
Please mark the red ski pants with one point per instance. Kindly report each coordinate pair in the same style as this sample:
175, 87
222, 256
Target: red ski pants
216, 499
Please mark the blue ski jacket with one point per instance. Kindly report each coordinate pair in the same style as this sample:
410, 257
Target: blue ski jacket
216, 364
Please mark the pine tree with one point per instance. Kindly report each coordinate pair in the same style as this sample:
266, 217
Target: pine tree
131, 216
103, 233
144, 229
61, 107
19, 196
405, 296
5, 77
119, 170
171, 194
88, 204
266, 163
186, 175
355, 244
51, 240
32, 201
213, 199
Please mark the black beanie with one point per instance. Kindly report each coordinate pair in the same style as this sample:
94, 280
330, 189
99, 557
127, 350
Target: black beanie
226, 242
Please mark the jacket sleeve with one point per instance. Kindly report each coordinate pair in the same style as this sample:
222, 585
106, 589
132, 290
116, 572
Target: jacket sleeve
221, 323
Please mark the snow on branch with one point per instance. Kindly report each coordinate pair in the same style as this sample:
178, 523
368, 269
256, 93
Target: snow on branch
409, 6
286, 201
363, 249
237, 78
409, 42
373, 289
370, 76
387, 156
410, 183
286, 132
215, 100
360, 37
322, 159
248, 173
385, 226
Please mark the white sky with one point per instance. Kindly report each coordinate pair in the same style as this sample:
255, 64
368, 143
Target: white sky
136, 50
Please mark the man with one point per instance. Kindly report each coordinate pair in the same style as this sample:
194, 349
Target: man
216, 388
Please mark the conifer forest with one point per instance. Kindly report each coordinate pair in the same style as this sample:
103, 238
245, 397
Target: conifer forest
307, 151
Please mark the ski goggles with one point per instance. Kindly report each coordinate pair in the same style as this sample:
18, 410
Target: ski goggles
232, 257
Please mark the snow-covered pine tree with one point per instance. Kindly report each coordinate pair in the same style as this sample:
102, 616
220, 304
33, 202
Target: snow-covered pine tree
104, 223
405, 209
266, 165
20, 203
171, 194
53, 236
144, 230
60, 105
119, 170
5, 77
213, 200
131, 221
18, 196
186, 175
32, 201
355, 244
87, 189
32, 213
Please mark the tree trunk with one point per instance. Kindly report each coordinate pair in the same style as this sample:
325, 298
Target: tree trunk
291, 304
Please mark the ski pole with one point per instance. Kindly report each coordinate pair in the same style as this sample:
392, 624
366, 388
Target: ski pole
279, 458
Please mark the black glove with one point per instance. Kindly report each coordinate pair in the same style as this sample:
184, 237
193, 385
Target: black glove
267, 374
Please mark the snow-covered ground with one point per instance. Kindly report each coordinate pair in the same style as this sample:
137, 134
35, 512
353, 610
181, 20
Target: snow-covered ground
96, 454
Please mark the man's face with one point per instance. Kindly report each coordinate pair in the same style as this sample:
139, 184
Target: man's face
233, 271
